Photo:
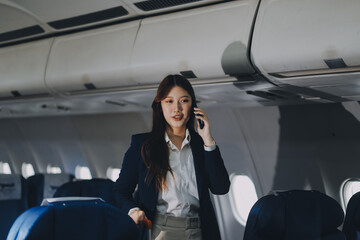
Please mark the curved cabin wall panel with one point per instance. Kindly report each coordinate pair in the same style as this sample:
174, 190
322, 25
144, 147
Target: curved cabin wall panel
302, 42
212, 42
100, 57
22, 69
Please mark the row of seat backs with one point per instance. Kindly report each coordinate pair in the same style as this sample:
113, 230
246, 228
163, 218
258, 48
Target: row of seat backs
63, 185
96, 187
295, 215
74, 219
44, 186
13, 200
18, 194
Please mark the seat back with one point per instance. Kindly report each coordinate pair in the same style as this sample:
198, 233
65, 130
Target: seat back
102, 188
44, 186
13, 200
74, 219
351, 226
295, 215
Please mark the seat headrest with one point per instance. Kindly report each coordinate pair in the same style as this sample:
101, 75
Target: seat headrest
88, 188
352, 220
52, 182
10, 187
79, 218
353, 210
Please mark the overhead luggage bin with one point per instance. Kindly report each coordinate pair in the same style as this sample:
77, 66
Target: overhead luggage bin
309, 44
22, 69
204, 43
95, 59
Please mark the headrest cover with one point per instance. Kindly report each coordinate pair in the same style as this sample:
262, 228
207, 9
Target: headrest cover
70, 200
10, 187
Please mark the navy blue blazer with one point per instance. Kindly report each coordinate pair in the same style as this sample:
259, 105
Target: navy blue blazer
210, 174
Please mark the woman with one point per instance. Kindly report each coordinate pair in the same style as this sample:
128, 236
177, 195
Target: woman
173, 167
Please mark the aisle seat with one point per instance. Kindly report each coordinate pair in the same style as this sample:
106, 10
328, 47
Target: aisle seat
44, 186
295, 215
73, 219
13, 200
97, 187
351, 226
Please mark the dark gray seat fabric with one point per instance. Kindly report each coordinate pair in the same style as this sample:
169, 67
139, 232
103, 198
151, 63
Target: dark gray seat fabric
102, 188
351, 226
295, 215
13, 200
74, 220
44, 186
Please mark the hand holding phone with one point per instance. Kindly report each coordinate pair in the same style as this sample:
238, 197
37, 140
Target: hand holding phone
201, 122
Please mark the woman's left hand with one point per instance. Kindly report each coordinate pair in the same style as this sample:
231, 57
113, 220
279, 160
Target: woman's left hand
205, 132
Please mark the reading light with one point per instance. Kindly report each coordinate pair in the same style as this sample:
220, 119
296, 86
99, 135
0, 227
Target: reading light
57, 107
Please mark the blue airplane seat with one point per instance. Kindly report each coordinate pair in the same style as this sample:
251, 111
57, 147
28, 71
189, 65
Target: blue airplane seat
44, 186
74, 219
13, 200
97, 187
295, 215
351, 226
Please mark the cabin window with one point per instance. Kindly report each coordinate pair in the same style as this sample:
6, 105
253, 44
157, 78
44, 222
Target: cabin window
113, 173
242, 197
348, 189
82, 172
5, 168
53, 169
27, 170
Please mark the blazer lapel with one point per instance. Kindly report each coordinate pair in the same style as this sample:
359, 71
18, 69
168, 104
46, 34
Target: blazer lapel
198, 154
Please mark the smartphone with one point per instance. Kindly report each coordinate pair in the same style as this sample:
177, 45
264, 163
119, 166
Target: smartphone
201, 122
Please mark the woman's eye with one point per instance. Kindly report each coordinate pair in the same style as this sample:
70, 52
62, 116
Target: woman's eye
168, 101
185, 100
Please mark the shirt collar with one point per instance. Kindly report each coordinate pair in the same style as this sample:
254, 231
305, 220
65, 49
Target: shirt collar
184, 143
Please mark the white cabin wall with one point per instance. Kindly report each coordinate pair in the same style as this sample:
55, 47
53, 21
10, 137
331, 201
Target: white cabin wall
105, 138
96, 141
287, 147
279, 148
53, 140
14, 147
303, 147
229, 136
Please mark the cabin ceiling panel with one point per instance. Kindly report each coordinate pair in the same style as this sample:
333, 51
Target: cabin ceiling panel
12, 19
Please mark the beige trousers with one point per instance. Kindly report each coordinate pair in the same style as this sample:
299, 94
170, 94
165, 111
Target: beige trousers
167, 227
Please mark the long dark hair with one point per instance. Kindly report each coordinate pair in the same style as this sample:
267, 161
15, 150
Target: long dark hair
154, 151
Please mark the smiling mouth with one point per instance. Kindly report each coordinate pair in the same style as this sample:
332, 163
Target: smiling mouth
177, 117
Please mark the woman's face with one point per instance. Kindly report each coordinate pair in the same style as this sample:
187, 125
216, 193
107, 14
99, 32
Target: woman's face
176, 108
